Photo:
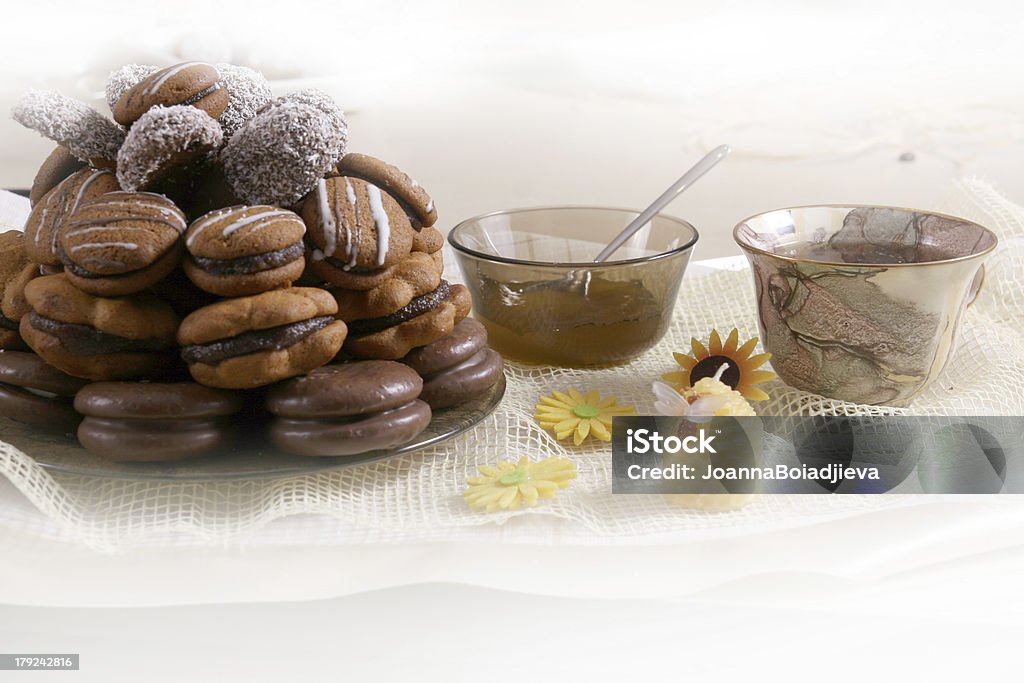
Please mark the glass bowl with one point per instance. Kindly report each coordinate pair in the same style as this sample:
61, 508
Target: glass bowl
543, 300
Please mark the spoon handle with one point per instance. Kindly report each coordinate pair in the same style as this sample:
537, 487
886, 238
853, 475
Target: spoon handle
696, 171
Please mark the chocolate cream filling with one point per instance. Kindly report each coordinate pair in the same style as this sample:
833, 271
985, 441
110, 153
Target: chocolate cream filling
84, 340
272, 339
8, 324
246, 265
416, 307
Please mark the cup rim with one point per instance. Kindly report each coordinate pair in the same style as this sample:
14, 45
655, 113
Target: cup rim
590, 265
796, 259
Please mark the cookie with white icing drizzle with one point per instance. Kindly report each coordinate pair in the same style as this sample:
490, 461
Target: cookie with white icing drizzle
192, 84
45, 223
244, 250
395, 182
352, 226
122, 243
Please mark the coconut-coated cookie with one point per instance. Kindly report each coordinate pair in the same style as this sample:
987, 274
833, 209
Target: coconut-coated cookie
85, 132
354, 227
12, 261
33, 392
413, 198
164, 139
50, 214
98, 338
190, 83
155, 422
125, 78
426, 319
248, 92
278, 155
257, 340
56, 167
244, 250
122, 242
347, 408
415, 276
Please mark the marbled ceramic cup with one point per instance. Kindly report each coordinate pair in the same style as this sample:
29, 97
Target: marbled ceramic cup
862, 303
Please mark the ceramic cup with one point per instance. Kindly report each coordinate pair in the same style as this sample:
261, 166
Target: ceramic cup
862, 303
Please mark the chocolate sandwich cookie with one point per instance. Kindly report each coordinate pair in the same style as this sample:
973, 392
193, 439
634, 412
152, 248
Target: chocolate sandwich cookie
430, 241
347, 408
56, 167
354, 227
257, 340
150, 422
244, 250
14, 306
413, 198
122, 242
413, 277
190, 83
96, 338
424, 320
12, 261
35, 393
457, 368
50, 214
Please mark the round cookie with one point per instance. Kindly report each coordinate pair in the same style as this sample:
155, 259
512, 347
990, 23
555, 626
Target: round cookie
35, 393
277, 156
248, 92
163, 140
13, 305
415, 276
96, 338
12, 262
123, 79
354, 227
149, 422
49, 215
425, 319
346, 409
257, 340
244, 250
457, 368
413, 198
122, 242
56, 167
190, 83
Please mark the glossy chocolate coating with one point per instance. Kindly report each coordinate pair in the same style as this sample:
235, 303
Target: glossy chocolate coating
389, 429
468, 338
356, 388
155, 401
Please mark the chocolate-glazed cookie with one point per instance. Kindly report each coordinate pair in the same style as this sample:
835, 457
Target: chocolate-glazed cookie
35, 393
189, 83
457, 368
258, 340
148, 422
98, 338
425, 319
354, 226
122, 242
347, 408
413, 198
244, 250
50, 214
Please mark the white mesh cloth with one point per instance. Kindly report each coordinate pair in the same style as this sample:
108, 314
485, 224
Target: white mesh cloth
418, 497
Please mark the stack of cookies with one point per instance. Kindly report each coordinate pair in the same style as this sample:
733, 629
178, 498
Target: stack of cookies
212, 243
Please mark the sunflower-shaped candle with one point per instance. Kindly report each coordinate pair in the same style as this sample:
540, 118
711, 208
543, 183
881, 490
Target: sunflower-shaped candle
579, 415
705, 361
507, 485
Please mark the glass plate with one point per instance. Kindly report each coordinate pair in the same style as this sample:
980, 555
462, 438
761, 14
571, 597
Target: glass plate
63, 454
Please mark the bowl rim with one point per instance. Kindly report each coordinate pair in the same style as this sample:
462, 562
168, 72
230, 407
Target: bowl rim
590, 265
796, 259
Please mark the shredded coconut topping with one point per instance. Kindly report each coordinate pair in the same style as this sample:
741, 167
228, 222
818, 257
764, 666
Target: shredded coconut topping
277, 156
161, 137
86, 133
248, 92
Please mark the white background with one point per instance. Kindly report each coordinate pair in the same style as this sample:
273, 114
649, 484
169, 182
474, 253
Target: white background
497, 105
